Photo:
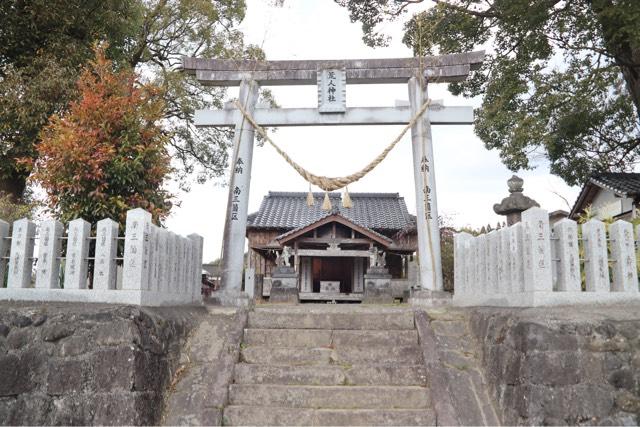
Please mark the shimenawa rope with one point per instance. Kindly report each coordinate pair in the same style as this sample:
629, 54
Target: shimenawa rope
333, 183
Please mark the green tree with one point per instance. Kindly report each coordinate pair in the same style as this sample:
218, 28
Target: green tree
561, 79
45, 43
107, 154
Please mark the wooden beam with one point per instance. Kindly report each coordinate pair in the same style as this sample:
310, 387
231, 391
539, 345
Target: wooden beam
446, 74
474, 59
277, 117
334, 253
350, 241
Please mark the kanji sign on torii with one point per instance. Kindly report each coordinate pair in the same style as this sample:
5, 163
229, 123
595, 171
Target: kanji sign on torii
332, 77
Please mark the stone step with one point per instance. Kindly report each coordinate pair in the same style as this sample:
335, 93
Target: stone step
330, 397
331, 375
328, 338
341, 316
266, 416
345, 355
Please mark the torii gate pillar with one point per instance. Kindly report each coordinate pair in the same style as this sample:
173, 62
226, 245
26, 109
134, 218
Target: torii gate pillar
238, 203
425, 186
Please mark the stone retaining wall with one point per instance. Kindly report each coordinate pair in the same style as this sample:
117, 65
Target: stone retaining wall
88, 364
563, 365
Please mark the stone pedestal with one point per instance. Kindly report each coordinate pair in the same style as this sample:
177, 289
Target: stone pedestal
229, 298
427, 298
377, 286
284, 285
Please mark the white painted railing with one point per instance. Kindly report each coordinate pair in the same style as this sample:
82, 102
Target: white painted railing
532, 264
158, 267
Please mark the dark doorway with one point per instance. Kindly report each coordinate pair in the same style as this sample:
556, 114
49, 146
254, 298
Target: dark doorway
335, 269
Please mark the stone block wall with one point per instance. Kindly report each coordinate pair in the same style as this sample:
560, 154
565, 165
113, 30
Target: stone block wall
78, 364
564, 365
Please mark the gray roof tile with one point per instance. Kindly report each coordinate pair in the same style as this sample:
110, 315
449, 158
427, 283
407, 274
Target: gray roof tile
288, 210
622, 183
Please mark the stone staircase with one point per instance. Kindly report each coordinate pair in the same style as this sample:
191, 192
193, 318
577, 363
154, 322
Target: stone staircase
330, 365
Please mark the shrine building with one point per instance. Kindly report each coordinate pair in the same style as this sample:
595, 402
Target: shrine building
332, 250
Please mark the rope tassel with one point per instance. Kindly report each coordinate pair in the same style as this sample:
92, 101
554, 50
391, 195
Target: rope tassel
310, 200
326, 204
346, 199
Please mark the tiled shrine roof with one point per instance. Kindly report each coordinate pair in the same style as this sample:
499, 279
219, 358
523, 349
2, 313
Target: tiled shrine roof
622, 184
289, 210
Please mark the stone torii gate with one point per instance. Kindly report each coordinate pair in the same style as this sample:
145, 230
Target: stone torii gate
332, 77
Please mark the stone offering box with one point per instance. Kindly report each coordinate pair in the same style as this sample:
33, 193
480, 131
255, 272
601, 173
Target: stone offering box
157, 267
532, 264
329, 287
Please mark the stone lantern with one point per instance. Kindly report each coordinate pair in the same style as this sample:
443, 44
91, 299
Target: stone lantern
513, 206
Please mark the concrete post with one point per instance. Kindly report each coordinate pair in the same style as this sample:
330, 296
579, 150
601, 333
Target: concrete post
104, 276
154, 246
237, 205
567, 251
596, 267
505, 261
492, 263
537, 251
515, 256
198, 247
459, 263
481, 267
76, 261
425, 187
21, 258
625, 271
48, 268
135, 273
163, 261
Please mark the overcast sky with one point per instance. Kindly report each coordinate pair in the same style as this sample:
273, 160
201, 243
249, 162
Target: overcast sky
469, 178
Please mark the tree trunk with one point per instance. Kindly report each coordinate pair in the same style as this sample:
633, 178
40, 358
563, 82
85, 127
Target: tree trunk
14, 185
622, 46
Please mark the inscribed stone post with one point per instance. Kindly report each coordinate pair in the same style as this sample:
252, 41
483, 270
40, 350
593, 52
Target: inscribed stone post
505, 261
625, 270
470, 263
188, 267
49, 252
596, 267
21, 258
487, 266
537, 250
154, 246
459, 263
250, 281
104, 272
136, 250
76, 261
5, 244
163, 256
180, 288
237, 205
481, 268
516, 257
425, 187
198, 245
568, 256
492, 264
175, 263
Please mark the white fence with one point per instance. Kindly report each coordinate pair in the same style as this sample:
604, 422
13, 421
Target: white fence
530, 264
158, 267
